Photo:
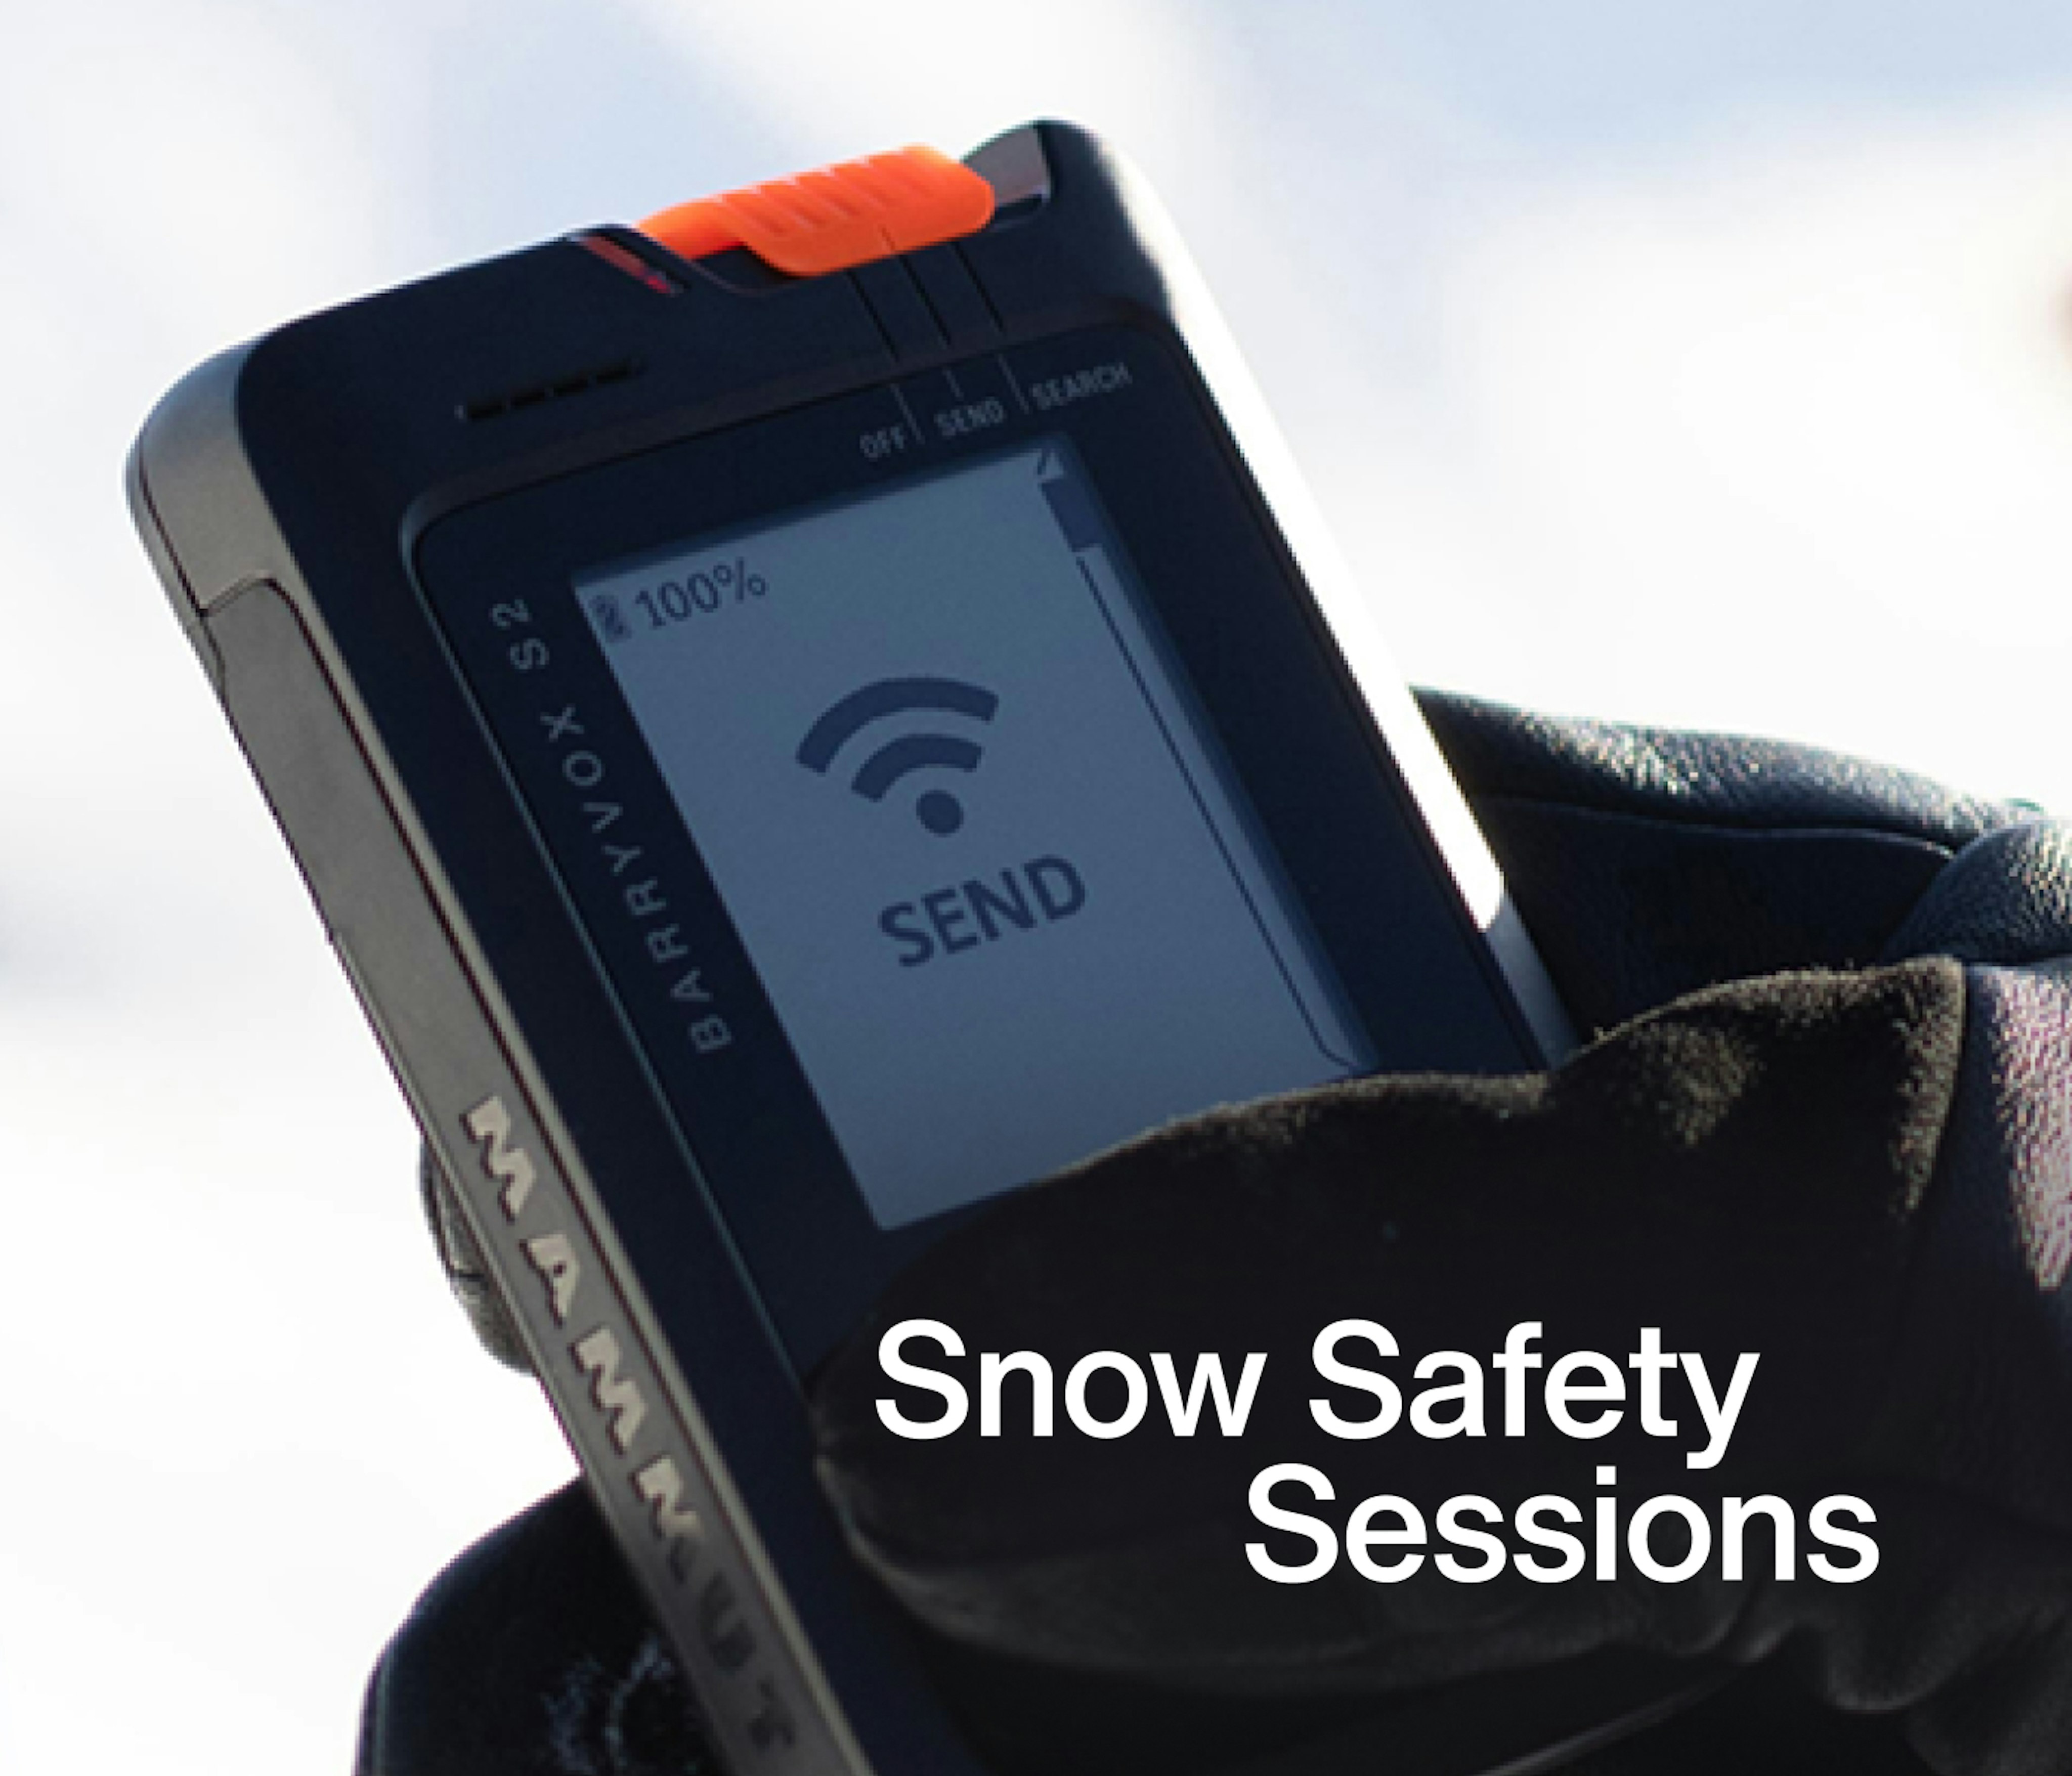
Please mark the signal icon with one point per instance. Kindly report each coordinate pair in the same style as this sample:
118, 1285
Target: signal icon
936, 809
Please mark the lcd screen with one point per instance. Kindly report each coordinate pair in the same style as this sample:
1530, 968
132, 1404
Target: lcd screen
1007, 900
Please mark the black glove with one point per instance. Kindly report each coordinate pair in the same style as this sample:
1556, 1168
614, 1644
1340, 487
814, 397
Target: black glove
1864, 1175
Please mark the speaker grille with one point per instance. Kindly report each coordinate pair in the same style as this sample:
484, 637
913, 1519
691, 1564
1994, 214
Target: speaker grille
539, 393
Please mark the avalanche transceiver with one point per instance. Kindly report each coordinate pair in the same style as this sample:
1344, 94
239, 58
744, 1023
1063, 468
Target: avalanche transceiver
799, 717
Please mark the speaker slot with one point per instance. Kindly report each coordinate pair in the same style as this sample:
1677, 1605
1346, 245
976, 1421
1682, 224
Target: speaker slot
538, 394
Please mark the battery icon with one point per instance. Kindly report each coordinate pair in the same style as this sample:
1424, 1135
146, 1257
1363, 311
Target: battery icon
609, 614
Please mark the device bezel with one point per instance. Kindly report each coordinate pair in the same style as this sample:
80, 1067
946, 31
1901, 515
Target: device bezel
1247, 640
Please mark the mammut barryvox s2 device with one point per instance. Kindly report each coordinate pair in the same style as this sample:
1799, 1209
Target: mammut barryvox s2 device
798, 720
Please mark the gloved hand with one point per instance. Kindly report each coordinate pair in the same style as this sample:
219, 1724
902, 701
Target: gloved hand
1829, 1120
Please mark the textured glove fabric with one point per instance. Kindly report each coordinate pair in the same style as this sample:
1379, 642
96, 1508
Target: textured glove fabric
1742, 1169
533, 1656
1652, 863
1828, 1118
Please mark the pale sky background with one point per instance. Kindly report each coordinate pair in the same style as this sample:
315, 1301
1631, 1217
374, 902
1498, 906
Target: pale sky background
1708, 365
